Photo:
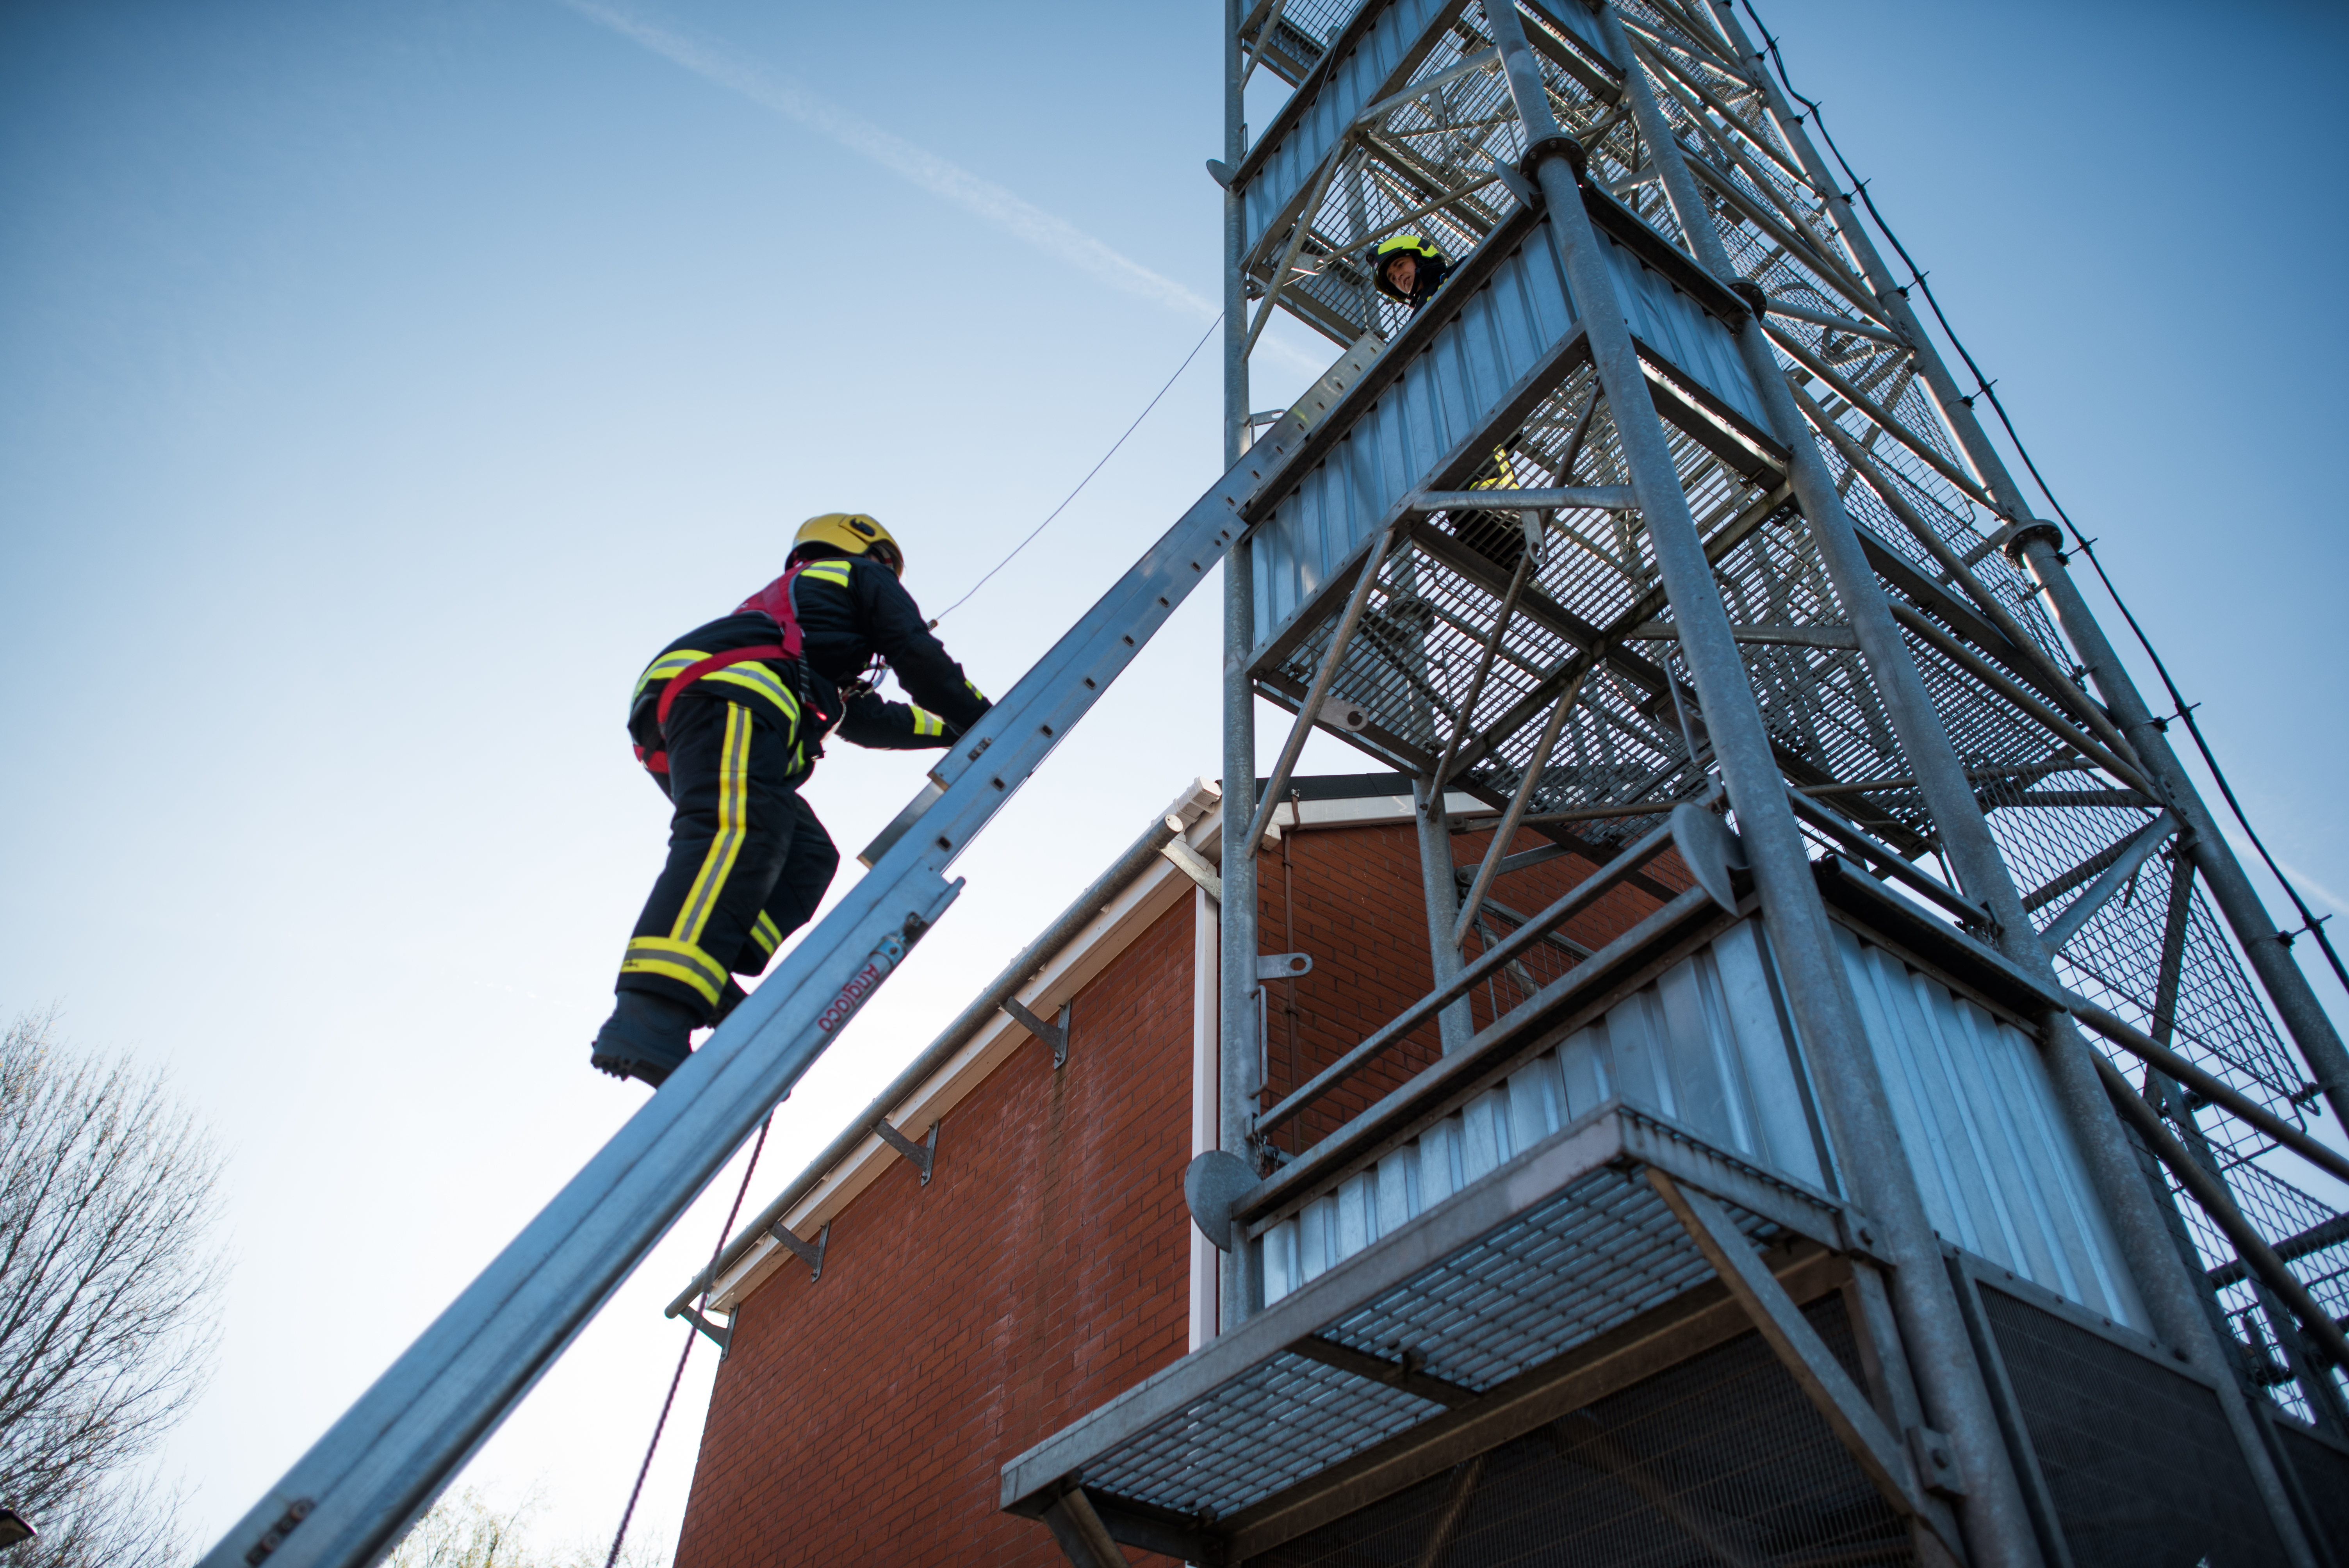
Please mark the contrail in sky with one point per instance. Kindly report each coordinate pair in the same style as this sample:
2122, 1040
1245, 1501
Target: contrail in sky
727, 67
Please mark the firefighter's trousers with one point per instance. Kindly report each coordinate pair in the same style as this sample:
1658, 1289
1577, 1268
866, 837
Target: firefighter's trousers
748, 861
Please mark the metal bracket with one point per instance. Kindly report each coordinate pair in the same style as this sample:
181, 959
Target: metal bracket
1283, 965
1523, 188
1789, 1333
810, 1252
1214, 1186
1053, 1035
922, 1155
722, 1338
1859, 1236
1936, 1463
1195, 866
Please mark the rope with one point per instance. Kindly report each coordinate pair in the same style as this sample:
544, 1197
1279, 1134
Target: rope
1089, 475
2311, 923
691, 1334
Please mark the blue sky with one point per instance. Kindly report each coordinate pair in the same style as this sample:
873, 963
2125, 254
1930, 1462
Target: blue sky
380, 385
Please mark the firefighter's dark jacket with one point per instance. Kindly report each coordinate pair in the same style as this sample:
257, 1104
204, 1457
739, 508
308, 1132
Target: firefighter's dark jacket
850, 608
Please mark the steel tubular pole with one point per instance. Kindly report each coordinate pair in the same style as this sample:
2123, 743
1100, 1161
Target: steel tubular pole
2286, 986
1455, 1024
1236, 358
1235, 1054
2160, 1274
1993, 1514
1810, 962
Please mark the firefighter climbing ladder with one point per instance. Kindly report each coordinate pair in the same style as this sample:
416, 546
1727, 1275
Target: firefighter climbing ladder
349, 1499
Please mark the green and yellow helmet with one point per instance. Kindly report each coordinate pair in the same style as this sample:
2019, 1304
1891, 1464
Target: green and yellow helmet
854, 533
1411, 245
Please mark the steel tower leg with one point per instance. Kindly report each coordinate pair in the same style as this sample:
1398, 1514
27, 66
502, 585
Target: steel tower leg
1817, 986
1236, 960
2294, 1000
2177, 1309
1995, 1518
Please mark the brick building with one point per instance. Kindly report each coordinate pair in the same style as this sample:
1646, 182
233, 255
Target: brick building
1047, 1262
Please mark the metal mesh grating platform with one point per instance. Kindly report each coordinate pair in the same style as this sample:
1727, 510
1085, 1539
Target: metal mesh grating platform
1547, 1254
1597, 1255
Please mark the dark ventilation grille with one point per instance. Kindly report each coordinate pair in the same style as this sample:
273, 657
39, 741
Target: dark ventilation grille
2139, 1463
1720, 1459
2323, 1474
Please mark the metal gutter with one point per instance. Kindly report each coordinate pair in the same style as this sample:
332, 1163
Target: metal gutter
1129, 867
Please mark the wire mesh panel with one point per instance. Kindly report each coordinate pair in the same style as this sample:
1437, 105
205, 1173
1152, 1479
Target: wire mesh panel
2323, 1471
1719, 1459
2138, 1459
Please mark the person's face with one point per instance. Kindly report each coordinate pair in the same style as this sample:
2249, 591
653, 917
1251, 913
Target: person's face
1403, 271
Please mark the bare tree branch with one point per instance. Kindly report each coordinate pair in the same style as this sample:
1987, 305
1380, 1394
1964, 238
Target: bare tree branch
107, 1279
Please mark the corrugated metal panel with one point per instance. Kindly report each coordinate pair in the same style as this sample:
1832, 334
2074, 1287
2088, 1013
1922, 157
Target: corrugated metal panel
1352, 87
1703, 1044
1448, 390
2001, 1174
1709, 1046
1502, 329
1683, 332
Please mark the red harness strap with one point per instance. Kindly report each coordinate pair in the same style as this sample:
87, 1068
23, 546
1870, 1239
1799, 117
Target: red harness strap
657, 761
775, 602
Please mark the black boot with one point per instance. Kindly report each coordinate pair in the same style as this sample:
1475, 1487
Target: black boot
645, 1038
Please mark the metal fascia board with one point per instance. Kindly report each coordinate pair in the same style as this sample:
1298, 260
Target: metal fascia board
1070, 924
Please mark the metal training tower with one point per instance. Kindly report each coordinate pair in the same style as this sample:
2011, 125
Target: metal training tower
1903, 1184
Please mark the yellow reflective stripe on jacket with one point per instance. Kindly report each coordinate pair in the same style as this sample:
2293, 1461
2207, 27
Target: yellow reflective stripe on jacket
664, 668
676, 961
766, 934
759, 678
733, 823
833, 572
927, 723
750, 675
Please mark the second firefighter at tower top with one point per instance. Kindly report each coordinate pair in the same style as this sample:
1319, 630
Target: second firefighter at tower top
729, 720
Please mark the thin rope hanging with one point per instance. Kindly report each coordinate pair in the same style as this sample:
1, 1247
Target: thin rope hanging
691, 1334
1088, 474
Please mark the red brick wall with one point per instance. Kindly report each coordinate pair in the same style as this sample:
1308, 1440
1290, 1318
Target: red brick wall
864, 1418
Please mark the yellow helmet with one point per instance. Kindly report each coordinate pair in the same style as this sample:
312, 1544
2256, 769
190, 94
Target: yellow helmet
1398, 245
855, 534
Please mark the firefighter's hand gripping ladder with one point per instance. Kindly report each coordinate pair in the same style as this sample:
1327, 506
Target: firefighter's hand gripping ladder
346, 1501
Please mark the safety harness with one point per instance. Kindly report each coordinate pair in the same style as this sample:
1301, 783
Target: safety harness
788, 622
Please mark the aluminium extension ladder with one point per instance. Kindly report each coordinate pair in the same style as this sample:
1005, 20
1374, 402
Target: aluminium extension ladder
347, 1503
